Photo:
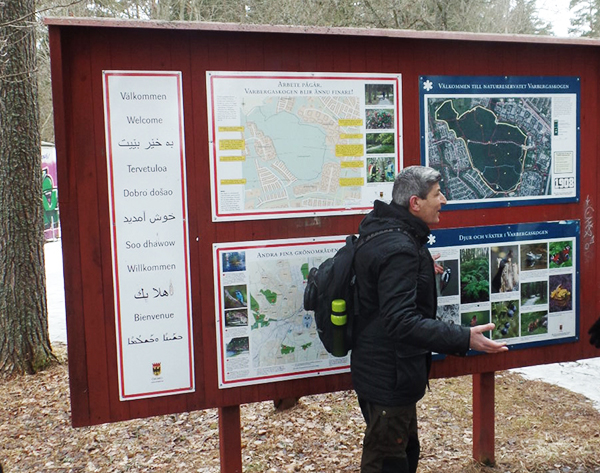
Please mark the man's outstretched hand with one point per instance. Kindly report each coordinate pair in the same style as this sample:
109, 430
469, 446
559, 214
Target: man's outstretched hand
480, 342
594, 332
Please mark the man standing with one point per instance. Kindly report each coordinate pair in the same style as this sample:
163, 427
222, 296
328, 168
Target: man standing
397, 328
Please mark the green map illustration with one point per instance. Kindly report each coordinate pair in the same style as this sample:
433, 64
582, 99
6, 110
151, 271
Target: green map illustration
282, 332
490, 147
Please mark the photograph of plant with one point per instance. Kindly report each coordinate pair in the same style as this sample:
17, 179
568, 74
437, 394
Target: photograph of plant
380, 119
505, 315
474, 275
380, 143
560, 254
534, 323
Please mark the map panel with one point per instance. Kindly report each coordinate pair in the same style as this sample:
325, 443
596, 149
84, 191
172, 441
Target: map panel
263, 332
301, 144
502, 141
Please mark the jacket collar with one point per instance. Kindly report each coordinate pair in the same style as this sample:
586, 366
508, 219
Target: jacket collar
397, 212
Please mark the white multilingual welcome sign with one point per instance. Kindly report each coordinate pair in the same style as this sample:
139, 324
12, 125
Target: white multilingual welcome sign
149, 232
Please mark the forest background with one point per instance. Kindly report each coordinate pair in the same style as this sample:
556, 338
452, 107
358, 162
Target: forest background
578, 18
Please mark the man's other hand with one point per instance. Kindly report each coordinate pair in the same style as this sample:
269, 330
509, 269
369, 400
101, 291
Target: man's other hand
439, 269
594, 332
480, 342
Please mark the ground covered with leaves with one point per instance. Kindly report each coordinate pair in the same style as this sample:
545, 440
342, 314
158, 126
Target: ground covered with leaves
539, 428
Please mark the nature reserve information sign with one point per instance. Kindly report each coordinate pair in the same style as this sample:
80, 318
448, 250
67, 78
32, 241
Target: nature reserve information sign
522, 277
149, 234
502, 141
301, 144
263, 332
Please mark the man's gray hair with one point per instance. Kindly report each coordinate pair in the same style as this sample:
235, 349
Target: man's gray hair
414, 180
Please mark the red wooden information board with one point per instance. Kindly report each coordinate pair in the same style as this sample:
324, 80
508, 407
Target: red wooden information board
82, 50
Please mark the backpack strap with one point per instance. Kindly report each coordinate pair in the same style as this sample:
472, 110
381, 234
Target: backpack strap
369, 236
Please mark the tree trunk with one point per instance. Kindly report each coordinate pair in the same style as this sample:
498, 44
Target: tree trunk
24, 341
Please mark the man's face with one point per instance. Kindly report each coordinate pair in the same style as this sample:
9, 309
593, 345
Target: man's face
428, 209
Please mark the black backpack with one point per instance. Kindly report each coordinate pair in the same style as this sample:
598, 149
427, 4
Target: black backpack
335, 279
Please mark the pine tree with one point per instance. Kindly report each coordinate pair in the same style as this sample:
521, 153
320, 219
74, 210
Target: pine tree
24, 340
586, 18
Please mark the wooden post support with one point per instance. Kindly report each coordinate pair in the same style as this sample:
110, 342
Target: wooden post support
483, 418
230, 439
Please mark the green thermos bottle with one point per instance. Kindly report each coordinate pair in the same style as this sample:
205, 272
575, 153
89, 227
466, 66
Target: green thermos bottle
339, 319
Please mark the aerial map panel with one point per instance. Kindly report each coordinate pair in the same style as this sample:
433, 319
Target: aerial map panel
502, 141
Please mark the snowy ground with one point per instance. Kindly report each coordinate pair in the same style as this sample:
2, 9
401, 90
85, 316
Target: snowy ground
582, 376
55, 292
579, 376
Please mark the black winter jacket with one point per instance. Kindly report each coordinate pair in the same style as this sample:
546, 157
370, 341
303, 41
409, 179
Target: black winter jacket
397, 328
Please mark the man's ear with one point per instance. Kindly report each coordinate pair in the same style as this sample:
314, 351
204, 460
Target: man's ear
414, 203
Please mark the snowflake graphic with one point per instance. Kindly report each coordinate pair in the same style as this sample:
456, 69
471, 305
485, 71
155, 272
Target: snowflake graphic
431, 239
428, 85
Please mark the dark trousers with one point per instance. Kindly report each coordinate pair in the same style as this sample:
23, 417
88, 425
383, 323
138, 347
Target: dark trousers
391, 443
